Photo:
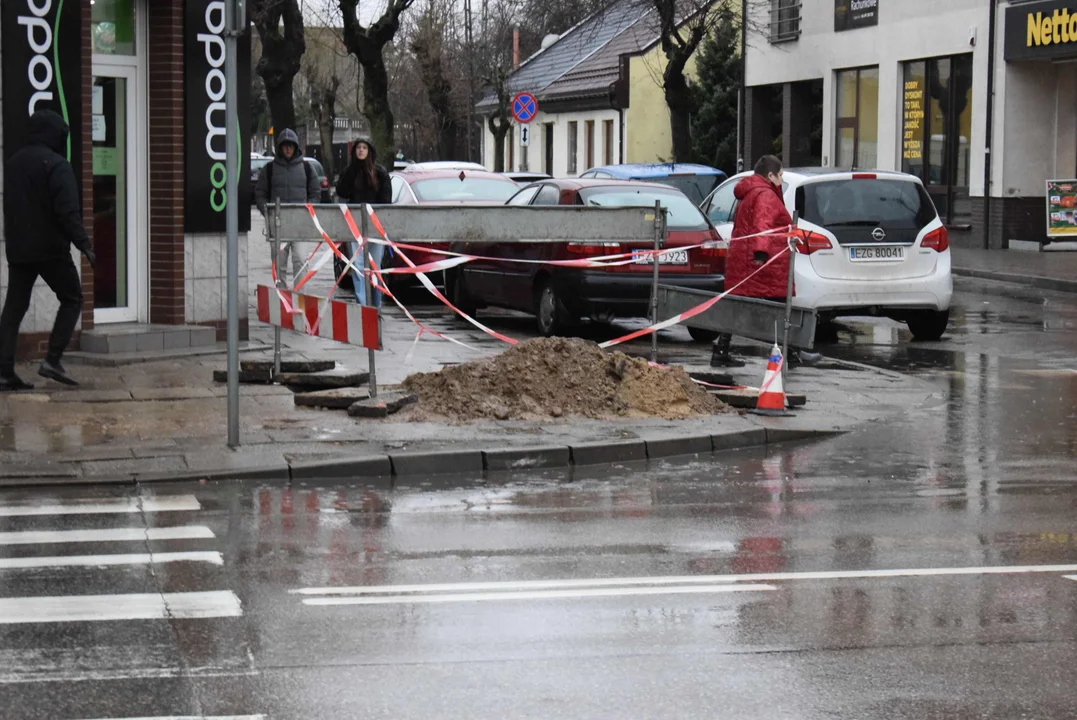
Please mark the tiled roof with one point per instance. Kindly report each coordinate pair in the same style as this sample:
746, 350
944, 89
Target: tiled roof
594, 75
575, 48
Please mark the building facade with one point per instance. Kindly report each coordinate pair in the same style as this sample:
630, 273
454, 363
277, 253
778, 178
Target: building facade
141, 83
904, 85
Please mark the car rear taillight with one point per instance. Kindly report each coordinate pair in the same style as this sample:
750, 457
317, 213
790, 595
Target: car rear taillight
594, 249
714, 247
937, 240
865, 176
810, 242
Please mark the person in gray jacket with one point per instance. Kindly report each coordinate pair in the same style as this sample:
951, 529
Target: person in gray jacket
290, 178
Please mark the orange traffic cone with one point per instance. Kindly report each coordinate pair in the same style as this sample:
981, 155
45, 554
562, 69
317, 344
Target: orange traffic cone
771, 393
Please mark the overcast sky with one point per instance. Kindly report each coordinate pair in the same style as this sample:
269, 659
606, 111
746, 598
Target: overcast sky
323, 12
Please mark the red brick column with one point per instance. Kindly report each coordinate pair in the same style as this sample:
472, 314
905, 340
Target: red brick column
165, 55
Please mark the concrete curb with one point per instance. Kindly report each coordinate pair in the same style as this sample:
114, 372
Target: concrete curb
1036, 281
386, 470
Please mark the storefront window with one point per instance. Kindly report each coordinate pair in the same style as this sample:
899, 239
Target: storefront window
937, 128
857, 121
113, 27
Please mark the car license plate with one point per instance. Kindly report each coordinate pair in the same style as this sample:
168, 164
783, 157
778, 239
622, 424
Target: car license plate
877, 254
675, 257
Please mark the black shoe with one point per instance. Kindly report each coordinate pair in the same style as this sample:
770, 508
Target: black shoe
55, 371
13, 383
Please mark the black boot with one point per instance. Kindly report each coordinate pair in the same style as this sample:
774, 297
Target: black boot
13, 383
720, 355
55, 371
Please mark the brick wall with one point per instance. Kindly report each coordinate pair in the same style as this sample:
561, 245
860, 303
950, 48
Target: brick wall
166, 162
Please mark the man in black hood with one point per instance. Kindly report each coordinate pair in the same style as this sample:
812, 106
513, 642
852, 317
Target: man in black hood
42, 220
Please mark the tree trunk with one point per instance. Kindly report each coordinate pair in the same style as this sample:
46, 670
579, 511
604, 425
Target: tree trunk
376, 107
281, 105
282, 54
499, 128
326, 124
679, 100
439, 94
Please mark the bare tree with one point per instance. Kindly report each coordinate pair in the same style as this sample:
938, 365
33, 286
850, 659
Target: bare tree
323, 111
433, 48
280, 29
367, 44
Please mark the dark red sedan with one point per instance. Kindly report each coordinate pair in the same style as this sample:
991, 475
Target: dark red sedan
559, 296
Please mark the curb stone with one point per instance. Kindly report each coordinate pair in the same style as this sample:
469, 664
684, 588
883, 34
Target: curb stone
439, 462
600, 453
370, 466
739, 439
671, 447
551, 456
1036, 281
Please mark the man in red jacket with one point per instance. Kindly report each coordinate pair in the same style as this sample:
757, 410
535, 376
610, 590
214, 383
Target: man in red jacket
760, 207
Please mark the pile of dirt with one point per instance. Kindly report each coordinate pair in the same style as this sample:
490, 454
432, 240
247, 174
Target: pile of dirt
558, 377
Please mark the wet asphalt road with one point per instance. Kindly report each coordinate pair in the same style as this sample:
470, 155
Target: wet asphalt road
254, 621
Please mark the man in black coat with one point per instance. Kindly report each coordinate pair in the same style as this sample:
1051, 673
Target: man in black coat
42, 220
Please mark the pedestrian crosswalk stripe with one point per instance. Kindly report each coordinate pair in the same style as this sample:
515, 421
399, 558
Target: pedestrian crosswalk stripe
213, 558
197, 717
141, 606
134, 534
167, 503
539, 594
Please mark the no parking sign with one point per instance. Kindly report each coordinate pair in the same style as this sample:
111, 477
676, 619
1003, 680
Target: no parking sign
524, 107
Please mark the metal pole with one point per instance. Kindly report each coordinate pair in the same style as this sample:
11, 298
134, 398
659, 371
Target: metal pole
232, 140
789, 302
276, 261
372, 355
654, 278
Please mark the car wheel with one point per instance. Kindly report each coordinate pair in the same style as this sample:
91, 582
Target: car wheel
458, 294
928, 325
552, 315
703, 336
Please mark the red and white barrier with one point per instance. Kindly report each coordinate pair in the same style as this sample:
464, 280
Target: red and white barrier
345, 322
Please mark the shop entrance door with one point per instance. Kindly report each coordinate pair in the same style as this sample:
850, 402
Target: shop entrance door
118, 290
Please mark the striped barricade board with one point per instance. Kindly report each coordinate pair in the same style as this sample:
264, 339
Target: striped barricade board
341, 321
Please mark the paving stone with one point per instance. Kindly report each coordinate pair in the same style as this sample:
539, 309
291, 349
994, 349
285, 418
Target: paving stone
335, 399
384, 405
289, 366
254, 377
91, 396
323, 380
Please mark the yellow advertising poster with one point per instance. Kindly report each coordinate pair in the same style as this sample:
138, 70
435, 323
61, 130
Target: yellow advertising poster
1062, 208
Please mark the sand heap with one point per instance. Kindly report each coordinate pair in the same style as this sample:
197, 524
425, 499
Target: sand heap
557, 377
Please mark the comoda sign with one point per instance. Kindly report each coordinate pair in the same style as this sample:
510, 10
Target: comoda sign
204, 85
1042, 31
42, 68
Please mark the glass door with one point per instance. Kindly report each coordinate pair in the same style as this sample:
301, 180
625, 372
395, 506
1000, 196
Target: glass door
115, 195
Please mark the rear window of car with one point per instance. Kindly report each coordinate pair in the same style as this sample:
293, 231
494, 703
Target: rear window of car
681, 213
880, 203
317, 166
695, 187
259, 163
456, 190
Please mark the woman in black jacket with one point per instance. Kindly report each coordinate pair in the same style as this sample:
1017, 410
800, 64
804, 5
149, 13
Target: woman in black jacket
365, 182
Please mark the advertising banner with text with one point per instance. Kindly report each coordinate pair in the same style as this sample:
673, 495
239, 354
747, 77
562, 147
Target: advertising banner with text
1041, 31
853, 14
204, 89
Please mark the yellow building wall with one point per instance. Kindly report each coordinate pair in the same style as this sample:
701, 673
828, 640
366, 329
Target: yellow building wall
648, 138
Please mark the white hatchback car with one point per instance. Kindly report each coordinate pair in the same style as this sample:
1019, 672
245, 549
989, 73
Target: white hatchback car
879, 247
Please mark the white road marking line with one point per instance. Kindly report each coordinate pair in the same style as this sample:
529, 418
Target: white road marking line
213, 558
1070, 577
680, 580
56, 537
166, 503
198, 717
143, 606
537, 595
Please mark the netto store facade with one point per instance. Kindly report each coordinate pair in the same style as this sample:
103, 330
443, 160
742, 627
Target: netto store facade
904, 86
141, 84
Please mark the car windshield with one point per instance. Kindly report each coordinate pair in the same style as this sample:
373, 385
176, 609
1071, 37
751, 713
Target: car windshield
696, 187
875, 203
681, 213
468, 189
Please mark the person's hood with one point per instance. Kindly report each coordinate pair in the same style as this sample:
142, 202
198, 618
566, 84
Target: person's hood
369, 143
49, 129
289, 136
753, 182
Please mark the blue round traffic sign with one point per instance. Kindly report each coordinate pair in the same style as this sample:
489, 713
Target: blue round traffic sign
524, 107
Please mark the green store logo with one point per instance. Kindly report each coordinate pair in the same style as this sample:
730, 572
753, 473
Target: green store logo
213, 45
43, 69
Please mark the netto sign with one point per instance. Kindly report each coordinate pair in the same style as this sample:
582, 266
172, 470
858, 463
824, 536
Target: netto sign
853, 14
1042, 31
42, 68
204, 89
